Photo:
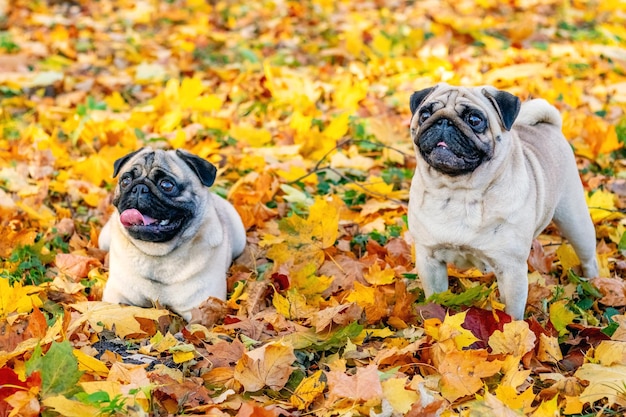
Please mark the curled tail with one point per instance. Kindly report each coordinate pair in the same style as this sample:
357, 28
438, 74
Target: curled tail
538, 111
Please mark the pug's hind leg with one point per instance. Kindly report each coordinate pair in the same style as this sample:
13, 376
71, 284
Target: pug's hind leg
432, 273
573, 220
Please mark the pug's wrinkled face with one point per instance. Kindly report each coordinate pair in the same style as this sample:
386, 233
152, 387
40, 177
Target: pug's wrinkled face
155, 194
453, 128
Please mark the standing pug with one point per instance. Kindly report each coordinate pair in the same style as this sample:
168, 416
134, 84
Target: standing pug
170, 239
491, 175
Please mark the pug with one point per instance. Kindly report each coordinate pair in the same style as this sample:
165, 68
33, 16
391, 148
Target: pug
491, 174
170, 239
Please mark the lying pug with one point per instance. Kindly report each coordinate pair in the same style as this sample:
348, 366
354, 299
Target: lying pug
491, 174
169, 238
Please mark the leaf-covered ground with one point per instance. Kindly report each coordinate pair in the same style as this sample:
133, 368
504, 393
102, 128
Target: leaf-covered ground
303, 105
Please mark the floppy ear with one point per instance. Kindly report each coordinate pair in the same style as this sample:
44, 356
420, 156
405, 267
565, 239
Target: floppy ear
506, 104
117, 165
204, 169
419, 96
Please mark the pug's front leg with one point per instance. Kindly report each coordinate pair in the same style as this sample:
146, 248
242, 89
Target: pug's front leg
114, 296
432, 273
513, 287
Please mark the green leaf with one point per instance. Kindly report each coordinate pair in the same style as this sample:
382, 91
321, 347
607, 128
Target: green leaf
340, 337
466, 298
561, 316
58, 368
622, 243
584, 284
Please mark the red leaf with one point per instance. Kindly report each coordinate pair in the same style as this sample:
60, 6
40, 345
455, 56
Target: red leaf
10, 383
482, 324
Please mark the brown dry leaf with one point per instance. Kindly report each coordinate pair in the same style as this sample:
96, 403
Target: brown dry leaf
189, 392
75, 266
341, 314
266, 366
612, 289
209, 312
364, 385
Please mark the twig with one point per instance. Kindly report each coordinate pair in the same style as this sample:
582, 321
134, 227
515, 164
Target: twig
318, 168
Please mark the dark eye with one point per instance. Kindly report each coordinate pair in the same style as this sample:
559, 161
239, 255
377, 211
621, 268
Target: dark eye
475, 121
166, 185
423, 116
125, 182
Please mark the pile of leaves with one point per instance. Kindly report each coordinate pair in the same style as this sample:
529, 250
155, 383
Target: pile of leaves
303, 106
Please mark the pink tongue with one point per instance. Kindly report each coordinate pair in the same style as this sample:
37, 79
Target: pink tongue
133, 217
442, 144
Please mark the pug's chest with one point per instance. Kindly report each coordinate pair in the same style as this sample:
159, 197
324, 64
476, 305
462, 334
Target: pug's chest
450, 220
462, 257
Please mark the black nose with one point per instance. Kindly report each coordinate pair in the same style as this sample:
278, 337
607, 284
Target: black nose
443, 122
140, 189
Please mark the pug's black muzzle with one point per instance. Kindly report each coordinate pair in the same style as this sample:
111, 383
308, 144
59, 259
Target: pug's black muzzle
148, 217
448, 149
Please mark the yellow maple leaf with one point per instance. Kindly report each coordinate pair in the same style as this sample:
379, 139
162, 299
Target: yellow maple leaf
561, 316
383, 333
362, 295
90, 364
71, 408
549, 408
400, 398
307, 391
18, 298
381, 44
513, 376
190, 89
567, 256
377, 276
324, 218
338, 127
255, 137
349, 91
179, 139
98, 168
601, 205
307, 282
509, 396
182, 352
300, 122
451, 329
169, 121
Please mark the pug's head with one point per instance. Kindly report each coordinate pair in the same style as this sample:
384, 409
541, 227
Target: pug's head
161, 195
456, 129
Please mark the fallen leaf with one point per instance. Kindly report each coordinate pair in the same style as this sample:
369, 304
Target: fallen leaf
102, 315
605, 382
307, 391
269, 365
516, 339
364, 385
